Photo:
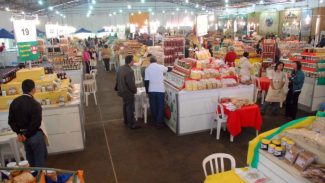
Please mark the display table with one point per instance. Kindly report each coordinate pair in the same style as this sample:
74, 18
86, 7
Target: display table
192, 111
279, 171
238, 175
64, 125
247, 116
265, 83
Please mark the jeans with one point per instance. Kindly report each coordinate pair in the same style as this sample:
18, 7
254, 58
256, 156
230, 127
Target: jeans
106, 62
128, 111
157, 106
36, 151
275, 107
292, 104
87, 67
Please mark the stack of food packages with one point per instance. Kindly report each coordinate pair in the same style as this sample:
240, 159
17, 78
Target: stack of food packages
205, 74
158, 52
236, 103
303, 148
239, 47
173, 49
41, 46
202, 54
289, 47
64, 45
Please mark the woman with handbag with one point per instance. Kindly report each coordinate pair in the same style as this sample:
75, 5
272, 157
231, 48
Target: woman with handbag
277, 91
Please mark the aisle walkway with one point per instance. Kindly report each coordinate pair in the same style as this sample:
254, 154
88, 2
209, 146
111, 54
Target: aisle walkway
115, 154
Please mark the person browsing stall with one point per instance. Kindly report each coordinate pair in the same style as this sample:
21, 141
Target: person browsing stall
296, 82
126, 88
25, 118
106, 55
154, 82
245, 68
231, 57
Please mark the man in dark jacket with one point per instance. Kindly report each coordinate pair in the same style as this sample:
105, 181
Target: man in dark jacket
125, 87
25, 118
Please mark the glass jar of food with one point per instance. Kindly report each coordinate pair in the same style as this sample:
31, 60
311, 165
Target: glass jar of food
289, 144
284, 141
271, 148
276, 142
265, 144
278, 151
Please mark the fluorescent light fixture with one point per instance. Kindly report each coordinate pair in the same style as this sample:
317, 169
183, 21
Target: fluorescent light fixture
57, 12
114, 13
185, 11
153, 13
191, 12
143, 1
226, 1
150, 9
197, 5
139, 12
23, 12
177, 9
163, 11
93, 1
132, 14
7, 9
110, 14
91, 7
129, 6
40, 2
120, 10
186, 1
50, 8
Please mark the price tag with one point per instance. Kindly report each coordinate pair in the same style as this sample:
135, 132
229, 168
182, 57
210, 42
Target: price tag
25, 30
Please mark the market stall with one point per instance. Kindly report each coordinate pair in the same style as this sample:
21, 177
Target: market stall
193, 90
313, 91
9, 56
62, 110
293, 152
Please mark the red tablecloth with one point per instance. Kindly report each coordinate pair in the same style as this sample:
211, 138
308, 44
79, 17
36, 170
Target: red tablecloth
265, 83
248, 116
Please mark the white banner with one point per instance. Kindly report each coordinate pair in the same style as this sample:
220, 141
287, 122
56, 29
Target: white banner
25, 30
202, 25
51, 30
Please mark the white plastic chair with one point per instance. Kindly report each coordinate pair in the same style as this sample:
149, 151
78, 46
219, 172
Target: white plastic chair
258, 89
220, 119
11, 148
137, 75
89, 87
214, 159
145, 106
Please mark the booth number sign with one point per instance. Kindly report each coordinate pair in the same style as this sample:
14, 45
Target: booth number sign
25, 34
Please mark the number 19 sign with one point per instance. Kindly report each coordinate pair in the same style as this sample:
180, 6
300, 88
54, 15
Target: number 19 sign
25, 34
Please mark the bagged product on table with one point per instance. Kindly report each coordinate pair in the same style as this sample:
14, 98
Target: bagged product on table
315, 173
189, 85
304, 160
318, 125
292, 154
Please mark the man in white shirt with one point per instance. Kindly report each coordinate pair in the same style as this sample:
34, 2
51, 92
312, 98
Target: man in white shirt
154, 77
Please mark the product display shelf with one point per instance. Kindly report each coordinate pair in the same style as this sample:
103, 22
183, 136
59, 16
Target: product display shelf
174, 48
313, 91
277, 170
64, 124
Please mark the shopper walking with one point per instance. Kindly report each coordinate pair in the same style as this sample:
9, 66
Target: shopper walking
126, 88
86, 59
296, 81
277, 90
25, 117
106, 55
231, 57
154, 81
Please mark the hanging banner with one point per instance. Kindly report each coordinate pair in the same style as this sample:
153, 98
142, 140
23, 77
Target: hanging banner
202, 25
25, 34
51, 30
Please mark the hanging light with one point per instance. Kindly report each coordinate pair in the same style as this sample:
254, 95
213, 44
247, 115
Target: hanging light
226, 1
40, 2
129, 6
143, 1
197, 5
139, 12
261, 2
91, 7
50, 8
7, 9
93, 1
110, 14
149, 9
23, 12
177, 9
163, 11
185, 11
120, 10
57, 12
211, 18
186, 1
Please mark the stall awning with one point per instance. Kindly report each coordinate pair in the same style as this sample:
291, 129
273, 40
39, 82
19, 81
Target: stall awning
101, 30
4, 34
82, 30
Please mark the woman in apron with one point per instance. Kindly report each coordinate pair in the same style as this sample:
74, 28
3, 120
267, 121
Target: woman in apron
277, 90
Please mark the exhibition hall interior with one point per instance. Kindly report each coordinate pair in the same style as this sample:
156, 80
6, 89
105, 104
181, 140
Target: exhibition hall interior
162, 91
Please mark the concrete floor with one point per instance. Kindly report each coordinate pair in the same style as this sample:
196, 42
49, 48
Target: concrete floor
115, 154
